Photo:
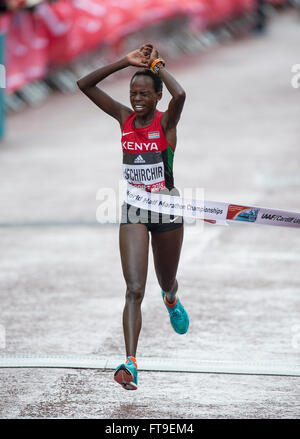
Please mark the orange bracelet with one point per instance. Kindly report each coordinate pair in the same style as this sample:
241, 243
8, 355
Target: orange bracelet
154, 64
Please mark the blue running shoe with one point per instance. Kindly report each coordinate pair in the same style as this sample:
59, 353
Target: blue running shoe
126, 374
178, 316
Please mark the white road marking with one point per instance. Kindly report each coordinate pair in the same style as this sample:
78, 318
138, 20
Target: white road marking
281, 368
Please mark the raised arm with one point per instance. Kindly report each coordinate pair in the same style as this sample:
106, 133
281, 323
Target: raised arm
172, 115
88, 84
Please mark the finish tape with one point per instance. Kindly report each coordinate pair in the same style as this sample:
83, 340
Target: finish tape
210, 211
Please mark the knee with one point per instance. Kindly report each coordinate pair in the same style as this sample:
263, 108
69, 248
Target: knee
169, 286
135, 292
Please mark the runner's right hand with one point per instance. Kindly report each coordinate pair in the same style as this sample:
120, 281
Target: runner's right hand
138, 58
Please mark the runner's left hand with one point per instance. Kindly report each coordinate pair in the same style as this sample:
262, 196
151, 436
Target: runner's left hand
150, 52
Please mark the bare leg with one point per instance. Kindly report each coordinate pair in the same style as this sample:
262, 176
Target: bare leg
166, 253
134, 246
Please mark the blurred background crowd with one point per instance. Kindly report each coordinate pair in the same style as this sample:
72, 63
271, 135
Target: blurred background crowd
47, 45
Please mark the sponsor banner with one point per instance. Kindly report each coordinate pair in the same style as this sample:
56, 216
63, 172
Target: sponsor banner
262, 215
242, 213
210, 211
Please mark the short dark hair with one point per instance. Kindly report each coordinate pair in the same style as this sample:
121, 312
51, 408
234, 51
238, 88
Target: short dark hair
158, 84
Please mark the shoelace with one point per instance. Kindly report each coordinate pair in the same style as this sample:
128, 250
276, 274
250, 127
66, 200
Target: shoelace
176, 314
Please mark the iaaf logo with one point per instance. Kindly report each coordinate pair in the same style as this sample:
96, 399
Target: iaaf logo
133, 146
277, 217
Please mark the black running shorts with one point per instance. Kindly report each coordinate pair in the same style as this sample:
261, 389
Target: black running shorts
154, 221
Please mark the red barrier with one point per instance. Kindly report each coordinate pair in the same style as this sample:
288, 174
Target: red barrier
222, 10
244, 6
57, 19
26, 53
56, 33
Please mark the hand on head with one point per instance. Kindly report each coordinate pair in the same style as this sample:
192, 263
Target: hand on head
150, 52
142, 57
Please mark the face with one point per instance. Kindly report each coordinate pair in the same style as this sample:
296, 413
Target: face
143, 97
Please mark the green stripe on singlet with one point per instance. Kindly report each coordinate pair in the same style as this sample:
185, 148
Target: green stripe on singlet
170, 158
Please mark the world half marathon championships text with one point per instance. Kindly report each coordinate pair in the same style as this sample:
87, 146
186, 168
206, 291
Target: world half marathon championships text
183, 207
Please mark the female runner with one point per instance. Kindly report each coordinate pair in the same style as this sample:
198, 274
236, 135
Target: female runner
148, 142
